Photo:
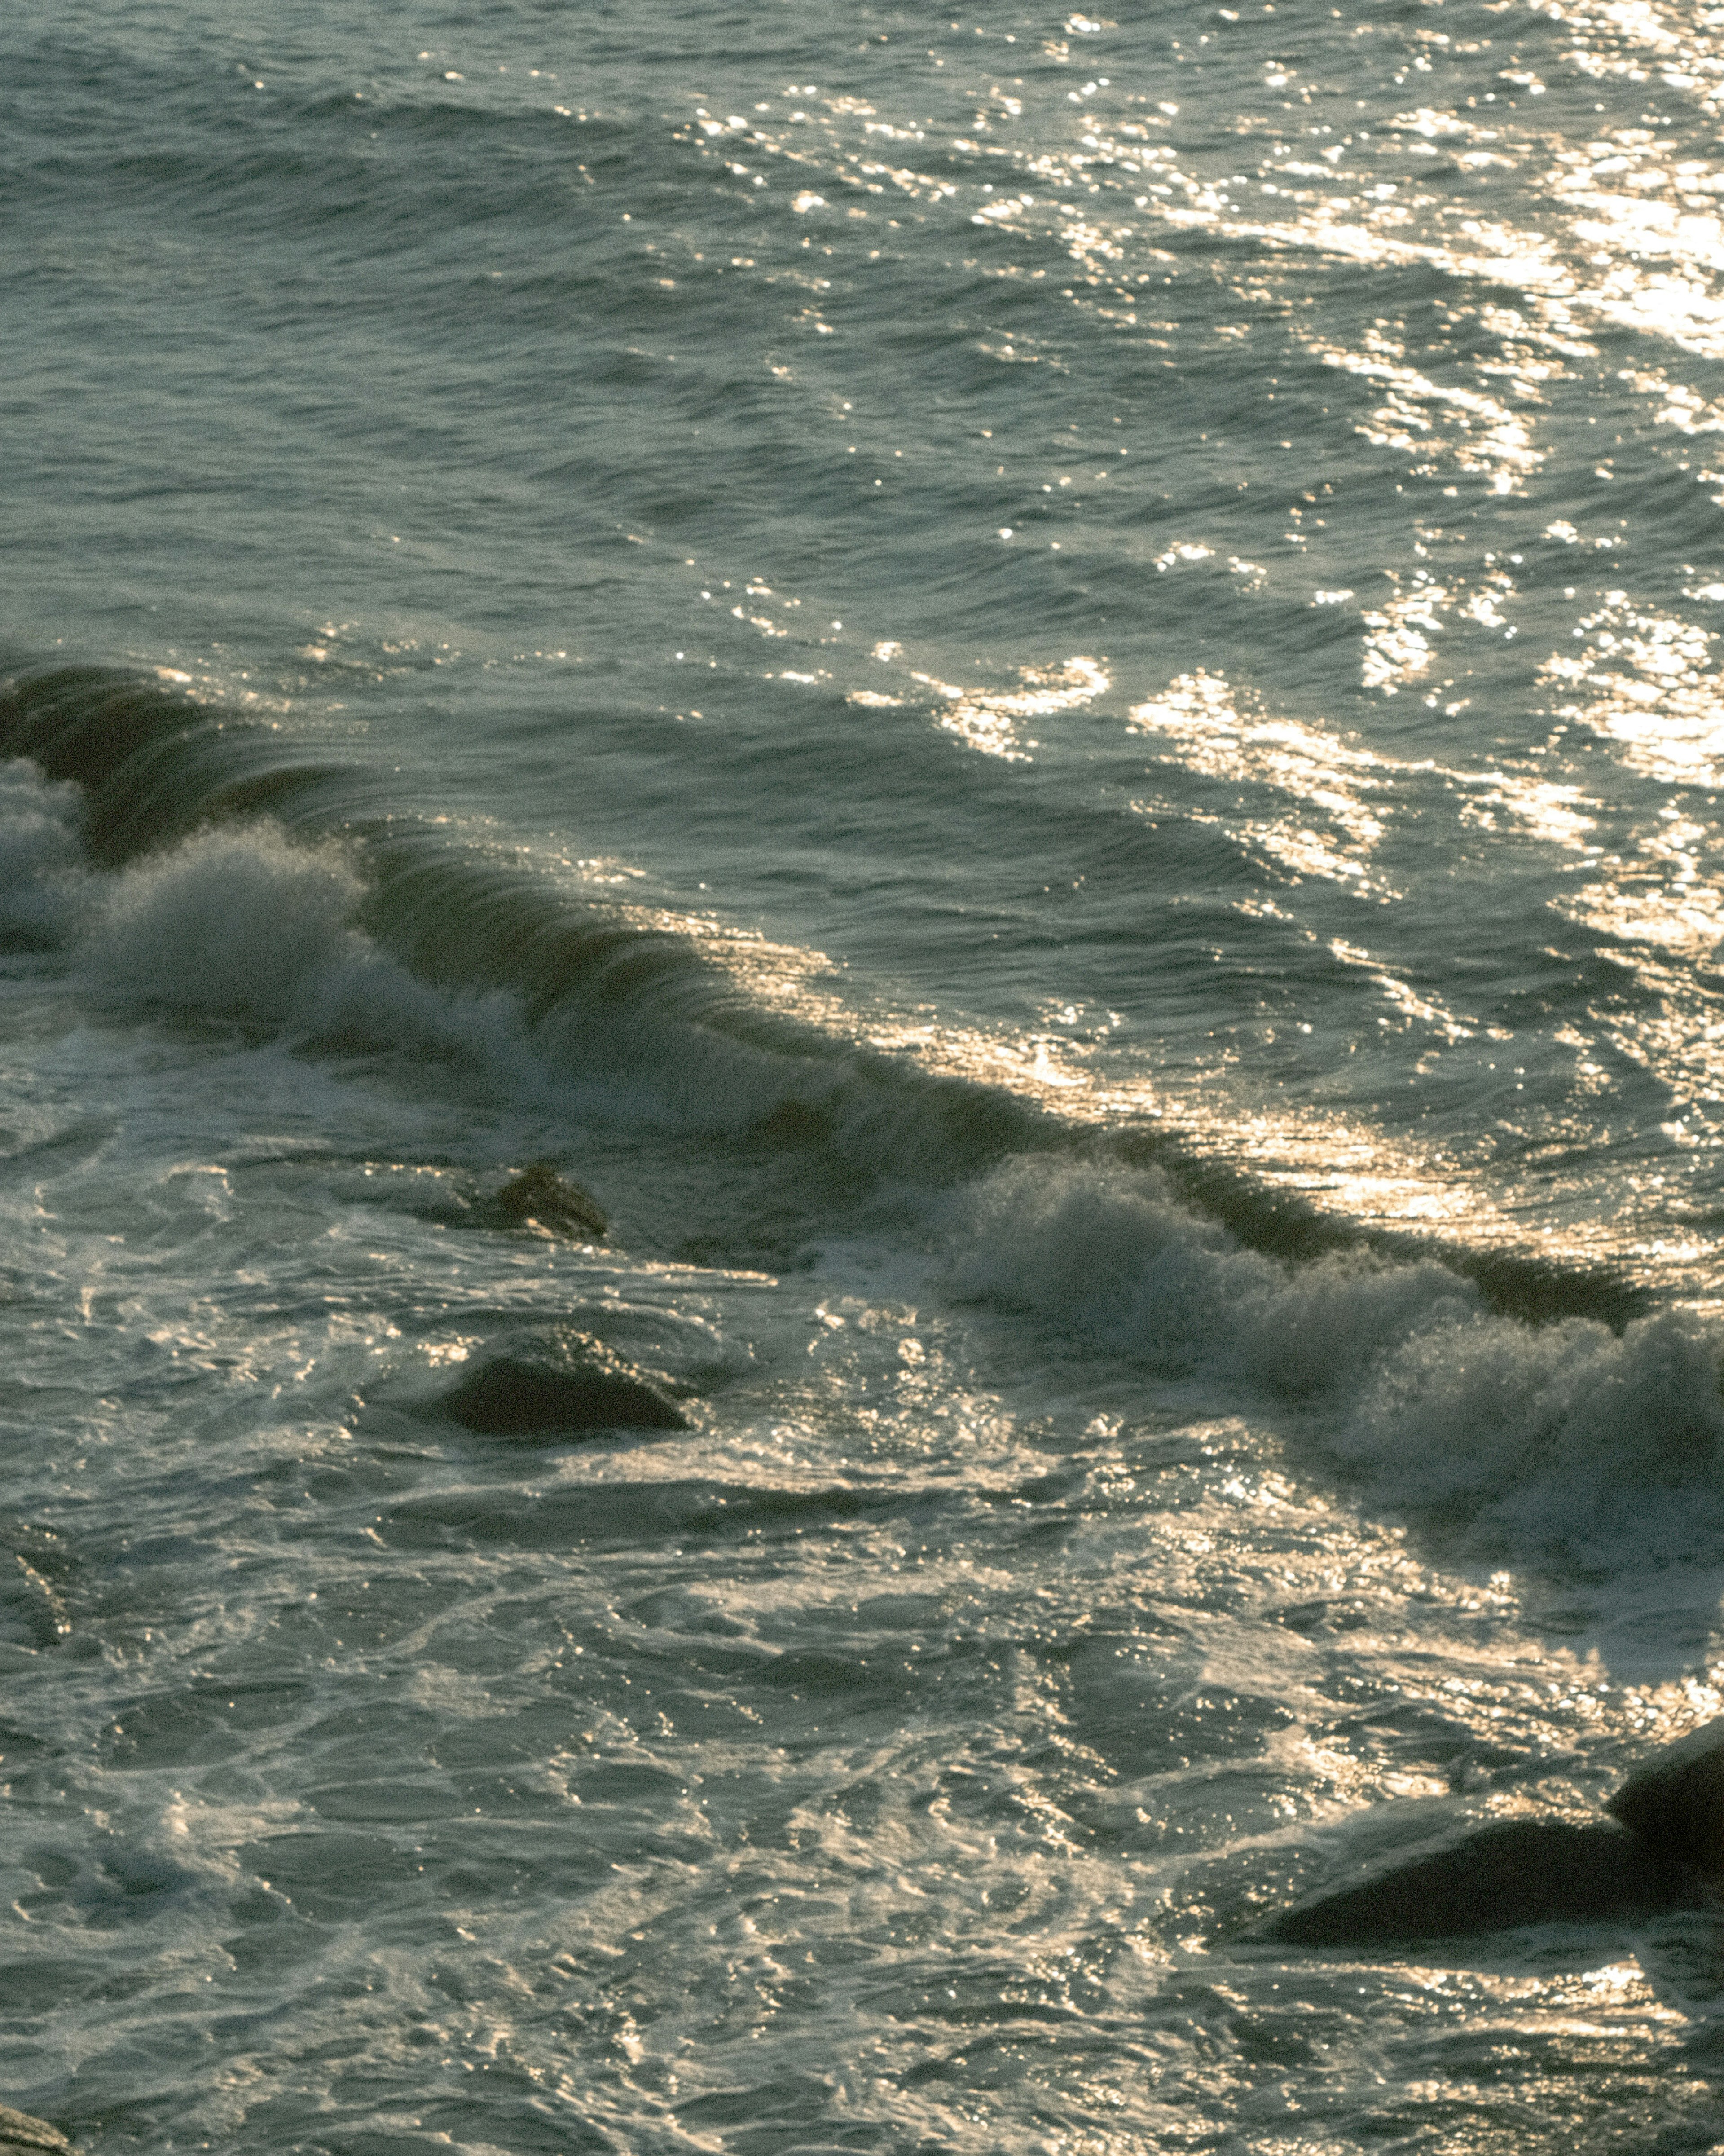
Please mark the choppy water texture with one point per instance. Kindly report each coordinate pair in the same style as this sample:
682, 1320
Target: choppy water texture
1044, 692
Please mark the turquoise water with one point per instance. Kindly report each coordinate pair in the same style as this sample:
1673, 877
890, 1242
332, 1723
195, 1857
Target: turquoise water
1044, 692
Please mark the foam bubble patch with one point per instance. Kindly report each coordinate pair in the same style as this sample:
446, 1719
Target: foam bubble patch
1116, 1255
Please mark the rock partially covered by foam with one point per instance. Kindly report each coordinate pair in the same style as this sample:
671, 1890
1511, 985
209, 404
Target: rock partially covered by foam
542, 1197
1676, 1804
577, 1388
18, 2132
1513, 1872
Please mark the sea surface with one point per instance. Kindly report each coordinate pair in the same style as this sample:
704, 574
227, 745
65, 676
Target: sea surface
1044, 692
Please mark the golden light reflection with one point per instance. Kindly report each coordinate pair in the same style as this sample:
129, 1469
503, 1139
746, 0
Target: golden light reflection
1199, 713
1571, 240
1676, 1031
1637, 239
992, 721
1546, 809
1351, 1168
1662, 897
1642, 680
1413, 1007
1441, 423
1354, 1171
1397, 643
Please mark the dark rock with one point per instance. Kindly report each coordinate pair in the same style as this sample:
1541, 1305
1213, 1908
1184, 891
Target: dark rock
542, 1197
582, 1387
1518, 1872
1666, 1851
1676, 1804
19, 2131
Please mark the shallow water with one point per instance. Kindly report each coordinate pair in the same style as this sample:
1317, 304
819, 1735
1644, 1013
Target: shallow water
1044, 693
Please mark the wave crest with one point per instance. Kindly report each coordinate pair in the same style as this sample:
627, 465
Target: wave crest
1544, 1436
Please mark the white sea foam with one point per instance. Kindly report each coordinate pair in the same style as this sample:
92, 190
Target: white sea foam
42, 869
243, 923
234, 923
1546, 1435
1562, 1433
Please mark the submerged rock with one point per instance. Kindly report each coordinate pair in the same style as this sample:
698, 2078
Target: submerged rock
540, 1195
19, 2131
582, 1387
1517, 1872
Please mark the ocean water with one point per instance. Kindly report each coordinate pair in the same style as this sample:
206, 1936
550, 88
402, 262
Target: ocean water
1044, 692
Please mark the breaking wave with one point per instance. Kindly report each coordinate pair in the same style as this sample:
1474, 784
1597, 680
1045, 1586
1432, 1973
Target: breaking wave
131, 838
1544, 1436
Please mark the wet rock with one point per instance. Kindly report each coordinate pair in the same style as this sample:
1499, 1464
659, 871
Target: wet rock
1516, 1872
18, 2131
1663, 1850
1676, 1804
581, 1388
539, 1196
